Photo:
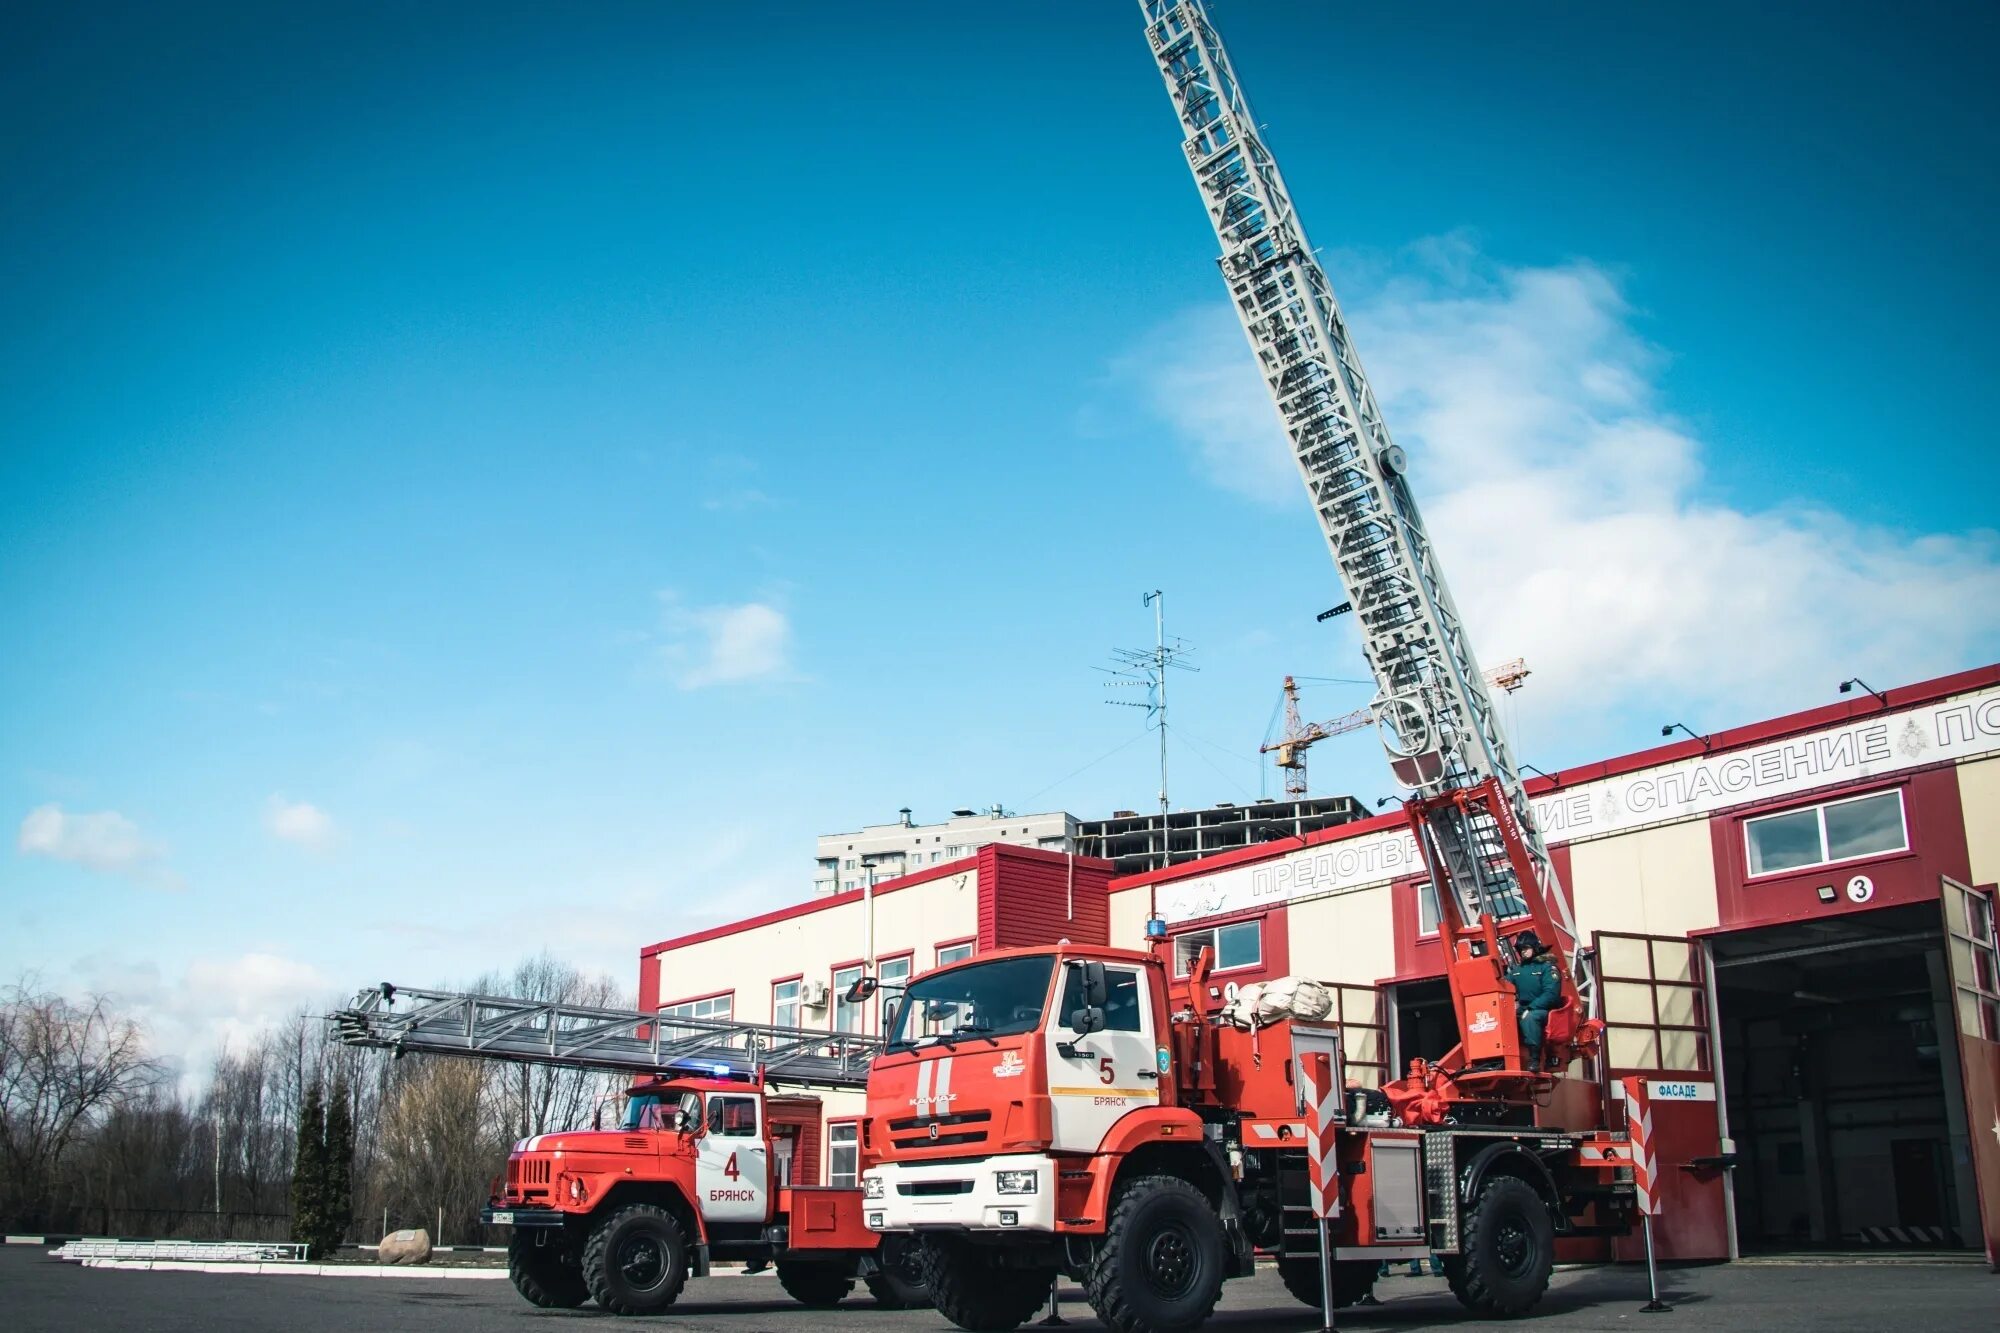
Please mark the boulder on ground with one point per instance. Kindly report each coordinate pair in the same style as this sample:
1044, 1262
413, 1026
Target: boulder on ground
405, 1247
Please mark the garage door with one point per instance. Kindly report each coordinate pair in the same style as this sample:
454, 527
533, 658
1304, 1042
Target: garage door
1974, 956
1653, 998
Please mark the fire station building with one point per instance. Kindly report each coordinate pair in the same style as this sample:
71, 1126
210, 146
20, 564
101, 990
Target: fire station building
1790, 926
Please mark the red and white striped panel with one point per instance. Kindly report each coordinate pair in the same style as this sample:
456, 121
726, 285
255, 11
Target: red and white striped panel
1639, 1126
1322, 1129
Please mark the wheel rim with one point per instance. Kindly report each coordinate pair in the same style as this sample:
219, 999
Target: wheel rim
642, 1262
1513, 1247
1172, 1262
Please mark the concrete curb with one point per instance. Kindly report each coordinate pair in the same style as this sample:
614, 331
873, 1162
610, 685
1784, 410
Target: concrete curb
300, 1270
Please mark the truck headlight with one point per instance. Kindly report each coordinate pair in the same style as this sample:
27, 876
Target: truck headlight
1017, 1182
871, 1187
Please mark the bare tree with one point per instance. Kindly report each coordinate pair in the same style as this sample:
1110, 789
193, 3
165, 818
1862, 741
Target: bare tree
538, 1099
63, 1067
442, 1139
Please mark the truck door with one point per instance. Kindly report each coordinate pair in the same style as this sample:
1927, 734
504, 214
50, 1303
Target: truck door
733, 1161
1106, 1073
1972, 956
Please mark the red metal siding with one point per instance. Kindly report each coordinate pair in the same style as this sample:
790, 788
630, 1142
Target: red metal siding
1028, 896
804, 1112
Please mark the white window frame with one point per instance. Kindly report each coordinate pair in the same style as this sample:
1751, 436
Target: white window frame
843, 1136
796, 1003
953, 953
1820, 809
708, 1006
840, 1004
884, 997
1182, 960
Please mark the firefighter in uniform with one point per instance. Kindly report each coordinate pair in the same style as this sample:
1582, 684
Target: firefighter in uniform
1537, 989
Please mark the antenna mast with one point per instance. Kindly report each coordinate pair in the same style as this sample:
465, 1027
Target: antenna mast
1148, 668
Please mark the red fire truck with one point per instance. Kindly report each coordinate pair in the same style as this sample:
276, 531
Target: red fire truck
693, 1173
1078, 1111
625, 1216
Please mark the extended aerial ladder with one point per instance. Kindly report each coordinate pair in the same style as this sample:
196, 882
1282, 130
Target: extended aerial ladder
505, 1028
1467, 810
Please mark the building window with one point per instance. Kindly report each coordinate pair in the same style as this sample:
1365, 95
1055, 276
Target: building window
1237, 945
785, 1011
843, 1153
952, 953
847, 1014
711, 1006
849, 865
1836, 831
1427, 908
895, 975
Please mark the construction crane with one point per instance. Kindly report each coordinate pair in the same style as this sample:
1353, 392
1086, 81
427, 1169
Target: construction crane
499, 1027
1467, 810
1299, 735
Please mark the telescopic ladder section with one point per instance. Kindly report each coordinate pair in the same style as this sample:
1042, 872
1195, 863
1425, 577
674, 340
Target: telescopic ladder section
498, 1027
1432, 708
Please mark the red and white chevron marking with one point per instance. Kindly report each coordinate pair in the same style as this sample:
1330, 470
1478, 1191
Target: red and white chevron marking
1639, 1126
1322, 1129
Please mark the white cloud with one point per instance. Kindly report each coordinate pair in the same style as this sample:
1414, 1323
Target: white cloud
216, 1003
1569, 506
299, 822
104, 841
719, 645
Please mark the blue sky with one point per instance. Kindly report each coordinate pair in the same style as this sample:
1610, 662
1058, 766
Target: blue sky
474, 479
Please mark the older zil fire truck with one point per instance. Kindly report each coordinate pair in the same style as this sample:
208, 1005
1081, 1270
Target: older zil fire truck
625, 1216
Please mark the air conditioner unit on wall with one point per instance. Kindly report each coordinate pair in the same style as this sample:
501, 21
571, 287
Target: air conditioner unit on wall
813, 994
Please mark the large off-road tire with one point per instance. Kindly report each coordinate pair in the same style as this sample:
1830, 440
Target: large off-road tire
819, 1285
1507, 1250
1161, 1265
973, 1291
636, 1260
543, 1274
900, 1283
1352, 1279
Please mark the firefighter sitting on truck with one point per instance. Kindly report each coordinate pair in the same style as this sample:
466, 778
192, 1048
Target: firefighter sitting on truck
1537, 989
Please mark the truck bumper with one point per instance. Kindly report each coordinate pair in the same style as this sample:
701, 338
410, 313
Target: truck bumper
520, 1217
962, 1196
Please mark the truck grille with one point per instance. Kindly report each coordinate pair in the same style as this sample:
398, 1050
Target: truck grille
955, 1130
933, 1188
527, 1171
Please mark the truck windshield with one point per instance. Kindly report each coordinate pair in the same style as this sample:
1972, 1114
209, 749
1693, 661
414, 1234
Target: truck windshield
655, 1110
982, 999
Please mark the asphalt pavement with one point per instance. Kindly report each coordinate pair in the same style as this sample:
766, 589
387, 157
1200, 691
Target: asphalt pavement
38, 1293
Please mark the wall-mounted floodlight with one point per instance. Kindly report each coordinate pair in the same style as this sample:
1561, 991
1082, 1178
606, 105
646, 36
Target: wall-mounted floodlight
1847, 687
1672, 727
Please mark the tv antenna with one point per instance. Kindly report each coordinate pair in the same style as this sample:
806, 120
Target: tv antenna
1146, 668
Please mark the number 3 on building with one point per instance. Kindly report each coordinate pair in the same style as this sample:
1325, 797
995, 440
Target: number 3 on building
1105, 1073
730, 1169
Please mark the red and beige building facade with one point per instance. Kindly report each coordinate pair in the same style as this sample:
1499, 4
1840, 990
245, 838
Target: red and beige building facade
1790, 924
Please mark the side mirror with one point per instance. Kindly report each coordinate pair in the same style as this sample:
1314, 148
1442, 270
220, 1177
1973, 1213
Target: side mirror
683, 1122
863, 987
1088, 1019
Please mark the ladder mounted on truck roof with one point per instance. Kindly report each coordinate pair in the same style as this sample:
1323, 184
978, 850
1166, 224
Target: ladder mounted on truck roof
537, 1032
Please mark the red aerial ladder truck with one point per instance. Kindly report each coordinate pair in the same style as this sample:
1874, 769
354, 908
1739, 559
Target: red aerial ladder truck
1079, 1111
624, 1216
